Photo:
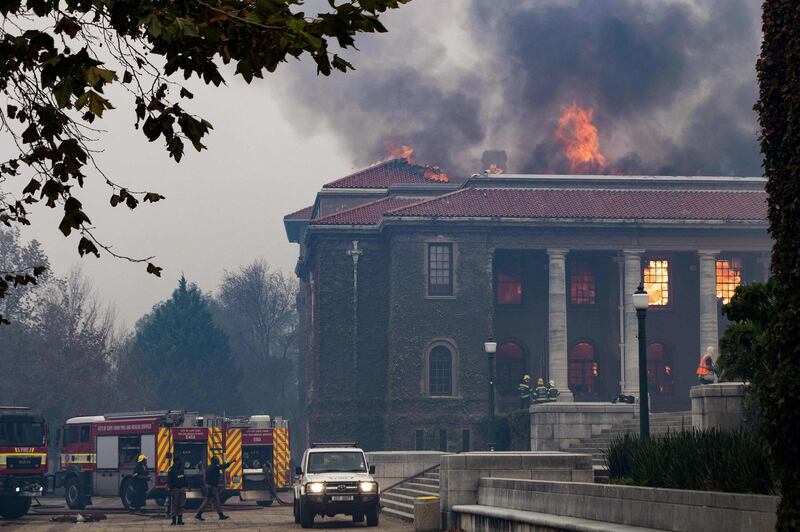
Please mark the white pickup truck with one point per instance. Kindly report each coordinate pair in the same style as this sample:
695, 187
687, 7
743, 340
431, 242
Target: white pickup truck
335, 479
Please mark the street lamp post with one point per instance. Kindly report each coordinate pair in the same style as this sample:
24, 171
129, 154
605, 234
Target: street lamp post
640, 302
490, 346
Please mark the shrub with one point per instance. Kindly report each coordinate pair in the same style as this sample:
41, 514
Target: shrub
710, 460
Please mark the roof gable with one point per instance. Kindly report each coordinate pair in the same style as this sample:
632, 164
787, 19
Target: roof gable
386, 174
369, 214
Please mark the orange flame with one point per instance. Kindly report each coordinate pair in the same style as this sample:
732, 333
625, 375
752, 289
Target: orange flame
398, 151
578, 135
434, 173
494, 170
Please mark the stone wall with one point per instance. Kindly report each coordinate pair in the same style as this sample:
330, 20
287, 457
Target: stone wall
663, 509
719, 405
554, 426
461, 474
393, 466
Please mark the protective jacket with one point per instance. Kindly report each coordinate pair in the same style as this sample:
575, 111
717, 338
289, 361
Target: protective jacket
176, 477
706, 366
213, 473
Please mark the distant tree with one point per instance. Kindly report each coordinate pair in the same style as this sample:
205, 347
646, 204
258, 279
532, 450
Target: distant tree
20, 264
743, 349
59, 358
257, 308
180, 359
59, 59
778, 110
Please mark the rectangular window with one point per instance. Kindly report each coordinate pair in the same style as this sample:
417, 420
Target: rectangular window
465, 443
729, 276
85, 431
440, 269
656, 282
419, 440
443, 441
581, 284
508, 280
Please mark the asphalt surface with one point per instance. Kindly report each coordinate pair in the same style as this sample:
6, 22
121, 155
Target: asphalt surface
243, 516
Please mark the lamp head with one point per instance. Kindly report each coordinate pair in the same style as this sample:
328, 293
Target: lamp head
640, 299
490, 346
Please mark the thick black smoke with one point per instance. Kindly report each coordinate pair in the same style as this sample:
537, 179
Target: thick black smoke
672, 84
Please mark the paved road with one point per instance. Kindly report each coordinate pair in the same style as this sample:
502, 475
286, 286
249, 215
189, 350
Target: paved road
244, 516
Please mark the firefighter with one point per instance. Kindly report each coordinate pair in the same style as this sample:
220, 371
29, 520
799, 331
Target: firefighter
213, 476
540, 392
140, 478
552, 391
176, 481
706, 370
524, 390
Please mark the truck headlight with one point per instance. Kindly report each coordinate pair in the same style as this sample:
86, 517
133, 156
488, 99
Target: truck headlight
315, 487
368, 487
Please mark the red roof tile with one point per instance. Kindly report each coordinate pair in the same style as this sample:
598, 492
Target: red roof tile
367, 214
385, 174
302, 214
598, 204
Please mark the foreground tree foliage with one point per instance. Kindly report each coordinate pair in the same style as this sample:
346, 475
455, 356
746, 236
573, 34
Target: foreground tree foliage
59, 58
779, 116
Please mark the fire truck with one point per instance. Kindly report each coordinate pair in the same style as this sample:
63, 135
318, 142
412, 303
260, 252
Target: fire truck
265, 457
98, 454
23, 459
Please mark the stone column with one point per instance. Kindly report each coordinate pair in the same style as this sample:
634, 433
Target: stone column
557, 322
707, 270
633, 276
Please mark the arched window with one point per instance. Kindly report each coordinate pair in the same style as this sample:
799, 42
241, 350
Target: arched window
659, 369
510, 367
440, 371
583, 369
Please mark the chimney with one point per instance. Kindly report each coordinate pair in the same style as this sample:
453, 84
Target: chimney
494, 162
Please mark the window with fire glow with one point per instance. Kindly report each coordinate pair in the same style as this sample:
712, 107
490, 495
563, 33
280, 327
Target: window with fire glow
729, 276
508, 280
659, 369
581, 284
656, 282
583, 369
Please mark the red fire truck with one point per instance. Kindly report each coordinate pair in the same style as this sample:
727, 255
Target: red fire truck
265, 453
98, 453
23, 459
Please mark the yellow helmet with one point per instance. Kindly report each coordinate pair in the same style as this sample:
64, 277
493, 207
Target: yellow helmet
540, 381
141, 458
526, 378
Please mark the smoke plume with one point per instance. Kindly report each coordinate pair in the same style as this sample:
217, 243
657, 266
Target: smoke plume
671, 85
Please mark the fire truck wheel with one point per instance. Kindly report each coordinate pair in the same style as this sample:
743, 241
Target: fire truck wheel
72, 494
372, 516
14, 507
358, 517
296, 511
126, 493
264, 504
306, 516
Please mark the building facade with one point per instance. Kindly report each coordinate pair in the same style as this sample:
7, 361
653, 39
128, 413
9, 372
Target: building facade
404, 277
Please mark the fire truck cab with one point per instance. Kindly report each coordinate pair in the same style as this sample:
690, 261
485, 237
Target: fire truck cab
98, 454
23, 459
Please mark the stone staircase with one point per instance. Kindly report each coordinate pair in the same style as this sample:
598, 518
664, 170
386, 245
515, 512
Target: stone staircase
660, 423
399, 501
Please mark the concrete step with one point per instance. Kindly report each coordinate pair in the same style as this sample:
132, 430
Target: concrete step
399, 497
431, 474
427, 481
397, 514
420, 490
401, 505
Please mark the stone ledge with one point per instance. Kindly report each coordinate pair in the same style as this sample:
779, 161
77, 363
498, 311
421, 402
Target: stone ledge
555, 522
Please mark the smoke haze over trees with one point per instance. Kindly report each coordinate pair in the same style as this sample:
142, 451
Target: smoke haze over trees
672, 84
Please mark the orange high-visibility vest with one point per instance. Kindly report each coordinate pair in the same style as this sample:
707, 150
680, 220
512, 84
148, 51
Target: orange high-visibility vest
702, 368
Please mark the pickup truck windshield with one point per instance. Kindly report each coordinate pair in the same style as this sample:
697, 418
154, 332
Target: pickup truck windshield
336, 461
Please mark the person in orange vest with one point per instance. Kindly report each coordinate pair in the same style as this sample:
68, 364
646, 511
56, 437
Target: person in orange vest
706, 370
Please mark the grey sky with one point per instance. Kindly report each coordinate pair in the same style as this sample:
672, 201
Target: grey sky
672, 84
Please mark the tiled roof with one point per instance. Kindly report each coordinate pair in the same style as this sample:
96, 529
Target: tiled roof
367, 214
598, 204
302, 214
385, 174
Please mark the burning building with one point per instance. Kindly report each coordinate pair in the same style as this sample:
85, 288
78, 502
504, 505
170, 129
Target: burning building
405, 274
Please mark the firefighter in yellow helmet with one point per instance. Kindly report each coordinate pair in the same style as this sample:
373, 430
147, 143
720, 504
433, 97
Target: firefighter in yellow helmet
540, 393
140, 478
524, 390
